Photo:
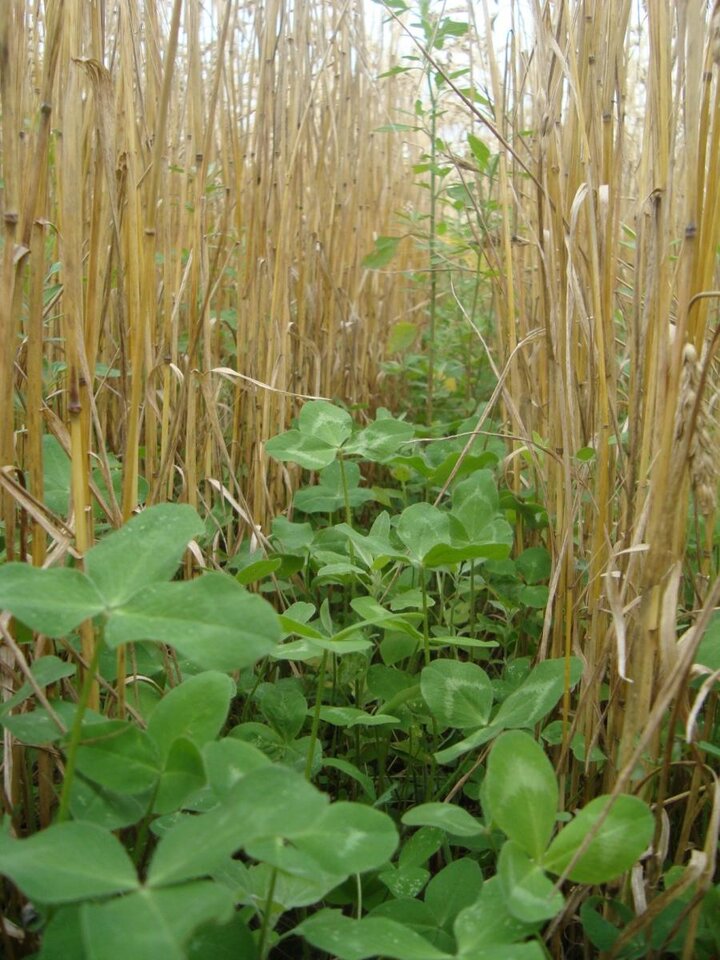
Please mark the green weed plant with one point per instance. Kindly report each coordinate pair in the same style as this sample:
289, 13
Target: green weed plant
359, 773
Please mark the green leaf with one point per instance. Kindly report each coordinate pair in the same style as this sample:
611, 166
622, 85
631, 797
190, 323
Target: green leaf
119, 756
598, 930
538, 694
420, 846
535, 597
708, 653
340, 475
457, 694
196, 709
66, 862
534, 564
422, 527
229, 760
415, 915
350, 770
292, 538
52, 602
529, 892
494, 548
553, 734
212, 621
401, 338
471, 643
91, 802
381, 439
480, 151
183, 774
56, 476
439, 474
62, 936
311, 649
521, 792
524, 707
153, 923
257, 570
385, 250
324, 420
267, 802
455, 887
450, 28
37, 726
289, 889
513, 951
283, 705
475, 502
354, 717
321, 499
620, 841
299, 627
373, 612
454, 820
231, 941
349, 939
375, 549
309, 452
586, 454
337, 573
350, 838
45, 670
404, 882
147, 549
411, 599
476, 739
488, 924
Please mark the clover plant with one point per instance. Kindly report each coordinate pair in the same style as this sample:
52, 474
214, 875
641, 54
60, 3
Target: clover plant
287, 777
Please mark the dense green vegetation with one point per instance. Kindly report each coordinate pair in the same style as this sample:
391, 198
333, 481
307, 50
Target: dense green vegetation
358, 500
325, 774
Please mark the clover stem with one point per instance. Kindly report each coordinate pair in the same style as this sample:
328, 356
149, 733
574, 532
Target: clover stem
262, 946
316, 716
76, 731
426, 624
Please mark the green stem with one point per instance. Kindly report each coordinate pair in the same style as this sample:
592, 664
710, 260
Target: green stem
346, 491
426, 624
76, 732
316, 716
262, 946
409, 693
142, 847
349, 594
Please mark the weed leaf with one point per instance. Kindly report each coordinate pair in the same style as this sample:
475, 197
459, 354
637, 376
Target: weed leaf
154, 923
349, 939
212, 621
623, 836
146, 550
196, 710
66, 862
521, 792
52, 602
457, 694
529, 892
454, 820
350, 838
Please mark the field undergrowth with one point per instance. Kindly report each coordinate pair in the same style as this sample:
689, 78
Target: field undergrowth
358, 480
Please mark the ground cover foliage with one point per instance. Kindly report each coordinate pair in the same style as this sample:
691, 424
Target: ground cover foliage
358, 500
